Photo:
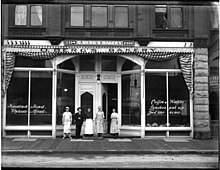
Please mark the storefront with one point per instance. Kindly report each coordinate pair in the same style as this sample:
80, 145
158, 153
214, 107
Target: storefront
151, 86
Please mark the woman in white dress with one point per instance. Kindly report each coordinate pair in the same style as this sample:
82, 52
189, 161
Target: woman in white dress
114, 130
67, 121
99, 121
89, 124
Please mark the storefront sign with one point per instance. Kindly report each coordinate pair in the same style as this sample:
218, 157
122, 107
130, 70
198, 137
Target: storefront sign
98, 43
26, 42
159, 107
23, 109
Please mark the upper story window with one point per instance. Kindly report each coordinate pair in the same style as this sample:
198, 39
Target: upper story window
99, 16
168, 17
21, 15
121, 16
27, 15
77, 16
36, 15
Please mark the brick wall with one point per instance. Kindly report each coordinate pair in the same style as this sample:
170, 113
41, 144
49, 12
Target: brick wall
201, 96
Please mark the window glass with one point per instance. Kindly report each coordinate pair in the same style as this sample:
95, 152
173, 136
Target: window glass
26, 62
87, 63
36, 15
17, 99
131, 99
68, 65
65, 94
76, 16
41, 98
109, 63
156, 102
20, 15
176, 17
161, 17
171, 64
179, 114
121, 16
99, 16
129, 65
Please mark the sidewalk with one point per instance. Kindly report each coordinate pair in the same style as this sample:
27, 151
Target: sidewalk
110, 146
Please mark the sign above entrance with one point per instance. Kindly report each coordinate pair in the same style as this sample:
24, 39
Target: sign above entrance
98, 43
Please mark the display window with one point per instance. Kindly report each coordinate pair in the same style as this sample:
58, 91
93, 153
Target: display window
65, 94
41, 98
17, 99
167, 96
29, 100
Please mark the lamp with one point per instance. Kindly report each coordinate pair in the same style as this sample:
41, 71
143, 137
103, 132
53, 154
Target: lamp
98, 78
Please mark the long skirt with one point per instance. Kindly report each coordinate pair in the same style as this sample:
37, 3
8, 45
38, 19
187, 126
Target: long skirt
99, 126
89, 127
67, 127
114, 126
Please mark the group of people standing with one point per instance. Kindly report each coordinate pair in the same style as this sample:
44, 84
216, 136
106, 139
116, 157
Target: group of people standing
78, 118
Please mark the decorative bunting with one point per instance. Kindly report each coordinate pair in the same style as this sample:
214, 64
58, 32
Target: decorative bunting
185, 56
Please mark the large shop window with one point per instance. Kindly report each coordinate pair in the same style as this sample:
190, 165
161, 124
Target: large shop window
77, 16
41, 98
121, 16
167, 96
168, 17
29, 98
17, 99
65, 94
99, 16
131, 97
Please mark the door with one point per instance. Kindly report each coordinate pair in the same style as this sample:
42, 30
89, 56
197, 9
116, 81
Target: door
109, 101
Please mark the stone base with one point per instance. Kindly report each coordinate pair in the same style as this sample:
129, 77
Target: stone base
202, 135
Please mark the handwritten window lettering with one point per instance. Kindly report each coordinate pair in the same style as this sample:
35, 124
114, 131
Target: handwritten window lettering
36, 15
159, 107
23, 109
77, 16
21, 15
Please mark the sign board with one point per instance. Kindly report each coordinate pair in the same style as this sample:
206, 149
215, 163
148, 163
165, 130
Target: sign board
97, 43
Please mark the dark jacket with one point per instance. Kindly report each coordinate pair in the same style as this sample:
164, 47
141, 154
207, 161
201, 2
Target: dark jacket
78, 118
89, 115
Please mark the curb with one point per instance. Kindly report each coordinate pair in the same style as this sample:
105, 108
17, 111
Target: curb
112, 152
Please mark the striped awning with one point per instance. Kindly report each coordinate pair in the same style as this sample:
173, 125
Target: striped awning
37, 52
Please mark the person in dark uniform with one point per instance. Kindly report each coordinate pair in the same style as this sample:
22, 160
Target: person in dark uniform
78, 119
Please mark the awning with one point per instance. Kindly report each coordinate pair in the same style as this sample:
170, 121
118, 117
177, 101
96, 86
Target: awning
45, 52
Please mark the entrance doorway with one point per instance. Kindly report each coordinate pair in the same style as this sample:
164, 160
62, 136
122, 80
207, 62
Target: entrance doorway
109, 101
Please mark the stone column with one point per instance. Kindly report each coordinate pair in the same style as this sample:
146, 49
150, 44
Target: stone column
201, 95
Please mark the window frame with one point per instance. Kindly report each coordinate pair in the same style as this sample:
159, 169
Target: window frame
127, 16
107, 16
28, 17
168, 9
69, 10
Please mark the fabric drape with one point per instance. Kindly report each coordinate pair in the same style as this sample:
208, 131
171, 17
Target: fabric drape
185, 58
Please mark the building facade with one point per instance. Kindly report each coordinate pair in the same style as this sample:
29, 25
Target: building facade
150, 61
